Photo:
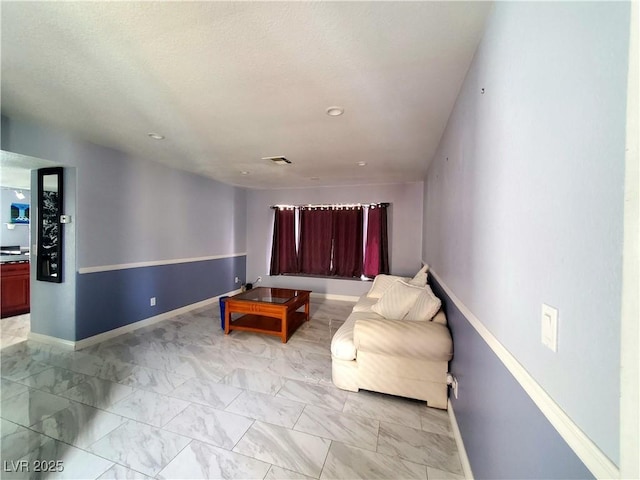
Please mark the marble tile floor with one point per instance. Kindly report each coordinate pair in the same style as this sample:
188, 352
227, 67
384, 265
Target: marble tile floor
179, 399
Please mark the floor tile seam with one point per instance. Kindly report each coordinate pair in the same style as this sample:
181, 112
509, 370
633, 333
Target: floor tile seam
425, 464
120, 465
303, 404
202, 402
129, 420
418, 430
253, 422
263, 461
141, 421
207, 442
84, 449
395, 457
105, 408
324, 463
293, 427
386, 421
291, 378
444, 434
52, 393
155, 475
123, 420
72, 401
139, 386
377, 421
331, 439
307, 403
266, 357
31, 430
42, 418
177, 414
14, 394
100, 375
13, 379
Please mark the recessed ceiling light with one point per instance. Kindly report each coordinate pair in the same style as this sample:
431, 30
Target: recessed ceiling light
156, 136
244, 172
335, 111
362, 164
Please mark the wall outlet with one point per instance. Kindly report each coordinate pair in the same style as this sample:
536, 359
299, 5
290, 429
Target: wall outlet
237, 280
453, 383
259, 280
152, 301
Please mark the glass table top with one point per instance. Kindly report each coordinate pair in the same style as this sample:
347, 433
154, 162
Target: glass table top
268, 295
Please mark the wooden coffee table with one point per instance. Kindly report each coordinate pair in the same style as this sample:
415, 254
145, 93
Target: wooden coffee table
273, 311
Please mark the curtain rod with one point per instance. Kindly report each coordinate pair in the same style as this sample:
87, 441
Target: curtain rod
333, 205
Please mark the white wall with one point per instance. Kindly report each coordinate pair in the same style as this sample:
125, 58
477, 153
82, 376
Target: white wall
136, 210
405, 230
524, 198
124, 210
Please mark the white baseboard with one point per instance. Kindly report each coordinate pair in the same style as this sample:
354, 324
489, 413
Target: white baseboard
586, 450
58, 342
332, 296
462, 452
116, 332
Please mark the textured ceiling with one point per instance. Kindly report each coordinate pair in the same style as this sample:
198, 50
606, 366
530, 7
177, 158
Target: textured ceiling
15, 169
228, 83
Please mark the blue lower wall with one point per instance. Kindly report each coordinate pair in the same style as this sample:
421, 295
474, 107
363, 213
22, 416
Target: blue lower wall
505, 434
112, 299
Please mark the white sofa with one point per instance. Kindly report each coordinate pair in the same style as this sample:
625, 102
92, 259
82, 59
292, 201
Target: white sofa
405, 356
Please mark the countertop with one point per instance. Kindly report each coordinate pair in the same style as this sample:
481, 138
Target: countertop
14, 258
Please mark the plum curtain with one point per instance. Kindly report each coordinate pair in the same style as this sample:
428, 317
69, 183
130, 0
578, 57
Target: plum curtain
377, 246
347, 242
284, 258
316, 231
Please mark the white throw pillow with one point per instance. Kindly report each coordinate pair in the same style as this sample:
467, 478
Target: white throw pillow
420, 280
425, 307
382, 283
397, 300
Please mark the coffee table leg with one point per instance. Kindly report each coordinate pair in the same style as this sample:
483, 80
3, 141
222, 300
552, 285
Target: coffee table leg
306, 311
284, 328
227, 320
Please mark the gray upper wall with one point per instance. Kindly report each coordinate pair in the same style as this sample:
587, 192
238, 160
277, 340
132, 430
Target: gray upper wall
524, 198
131, 210
405, 230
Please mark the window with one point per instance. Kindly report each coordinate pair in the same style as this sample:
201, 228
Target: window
329, 240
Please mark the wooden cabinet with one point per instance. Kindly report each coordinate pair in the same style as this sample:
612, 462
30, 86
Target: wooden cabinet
15, 288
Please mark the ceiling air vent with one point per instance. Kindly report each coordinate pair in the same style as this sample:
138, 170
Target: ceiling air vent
278, 160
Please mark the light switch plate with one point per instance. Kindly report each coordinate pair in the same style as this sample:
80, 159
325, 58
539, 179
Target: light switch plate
550, 327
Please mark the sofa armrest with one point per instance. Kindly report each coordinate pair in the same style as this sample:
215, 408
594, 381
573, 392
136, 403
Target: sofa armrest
402, 338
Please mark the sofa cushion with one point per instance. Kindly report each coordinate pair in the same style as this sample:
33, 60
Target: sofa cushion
397, 300
364, 303
425, 306
440, 318
420, 278
382, 283
399, 338
342, 346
